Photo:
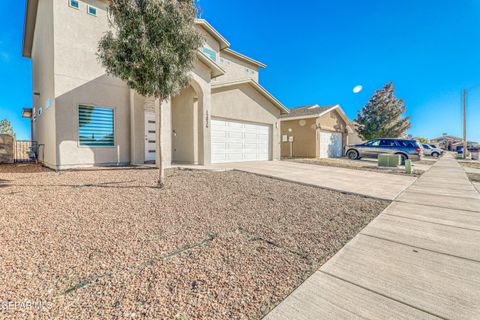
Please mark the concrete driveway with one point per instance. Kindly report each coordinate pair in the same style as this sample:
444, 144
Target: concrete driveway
372, 184
419, 259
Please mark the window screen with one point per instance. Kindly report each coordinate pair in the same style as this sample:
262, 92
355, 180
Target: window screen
96, 126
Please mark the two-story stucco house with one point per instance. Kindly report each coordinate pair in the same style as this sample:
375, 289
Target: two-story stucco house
83, 117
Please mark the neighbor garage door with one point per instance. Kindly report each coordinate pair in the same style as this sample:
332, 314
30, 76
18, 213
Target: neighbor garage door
330, 144
239, 141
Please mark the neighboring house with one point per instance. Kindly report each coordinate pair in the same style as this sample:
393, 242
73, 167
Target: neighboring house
84, 117
353, 136
449, 143
315, 132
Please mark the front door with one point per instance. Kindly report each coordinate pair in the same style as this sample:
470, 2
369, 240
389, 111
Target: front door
150, 137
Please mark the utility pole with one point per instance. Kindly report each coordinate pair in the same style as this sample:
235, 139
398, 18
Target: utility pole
465, 147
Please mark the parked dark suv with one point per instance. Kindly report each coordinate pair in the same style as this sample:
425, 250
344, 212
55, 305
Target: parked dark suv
407, 149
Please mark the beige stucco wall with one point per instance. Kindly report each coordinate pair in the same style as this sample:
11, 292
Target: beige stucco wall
209, 41
236, 69
100, 92
137, 122
331, 121
307, 138
201, 83
80, 79
354, 138
245, 103
185, 127
304, 139
165, 129
44, 126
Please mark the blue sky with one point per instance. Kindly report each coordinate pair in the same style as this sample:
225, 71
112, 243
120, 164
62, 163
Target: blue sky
318, 50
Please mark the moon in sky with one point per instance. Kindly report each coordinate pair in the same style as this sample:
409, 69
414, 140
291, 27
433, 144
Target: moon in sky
357, 89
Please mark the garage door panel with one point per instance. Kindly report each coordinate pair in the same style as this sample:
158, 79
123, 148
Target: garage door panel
251, 157
251, 130
331, 144
250, 126
235, 147
219, 148
250, 142
234, 157
251, 146
218, 124
236, 141
235, 135
220, 157
218, 133
263, 138
237, 125
251, 135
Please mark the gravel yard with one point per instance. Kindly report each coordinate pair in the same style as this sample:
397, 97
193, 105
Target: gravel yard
474, 177
473, 164
364, 164
107, 243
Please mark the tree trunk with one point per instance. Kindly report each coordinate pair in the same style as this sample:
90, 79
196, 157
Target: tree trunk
159, 157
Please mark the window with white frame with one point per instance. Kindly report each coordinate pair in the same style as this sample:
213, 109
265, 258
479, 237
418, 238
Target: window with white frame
74, 4
91, 10
210, 53
96, 126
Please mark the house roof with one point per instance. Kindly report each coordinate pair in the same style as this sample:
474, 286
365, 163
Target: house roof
244, 58
447, 137
257, 87
313, 111
213, 32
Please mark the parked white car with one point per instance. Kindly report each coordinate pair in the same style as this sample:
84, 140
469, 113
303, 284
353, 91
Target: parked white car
432, 150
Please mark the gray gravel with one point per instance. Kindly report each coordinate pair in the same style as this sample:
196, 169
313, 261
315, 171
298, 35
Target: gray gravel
362, 165
107, 244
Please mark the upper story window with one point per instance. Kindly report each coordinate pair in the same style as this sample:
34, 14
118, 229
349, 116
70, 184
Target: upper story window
96, 126
210, 53
74, 4
92, 10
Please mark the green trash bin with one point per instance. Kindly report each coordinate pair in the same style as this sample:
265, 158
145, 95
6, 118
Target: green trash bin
408, 166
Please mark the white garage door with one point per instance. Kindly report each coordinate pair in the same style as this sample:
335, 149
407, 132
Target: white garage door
239, 141
330, 144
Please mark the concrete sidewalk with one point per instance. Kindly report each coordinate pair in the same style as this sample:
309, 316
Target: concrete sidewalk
373, 184
419, 259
